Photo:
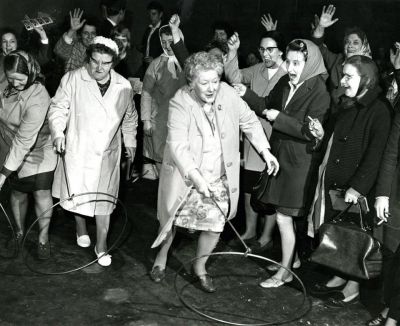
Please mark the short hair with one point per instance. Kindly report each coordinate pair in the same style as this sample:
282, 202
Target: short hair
367, 69
223, 46
277, 37
202, 61
121, 30
299, 46
355, 30
91, 21
154, 5
100, 48
113, 7
8, 30
223, 25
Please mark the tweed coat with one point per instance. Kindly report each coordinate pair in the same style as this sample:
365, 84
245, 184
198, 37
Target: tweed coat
184, 148
291, 142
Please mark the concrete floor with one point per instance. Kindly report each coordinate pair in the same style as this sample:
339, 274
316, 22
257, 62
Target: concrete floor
123, 293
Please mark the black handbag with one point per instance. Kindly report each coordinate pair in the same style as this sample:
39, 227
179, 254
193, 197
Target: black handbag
257, 199
347, 247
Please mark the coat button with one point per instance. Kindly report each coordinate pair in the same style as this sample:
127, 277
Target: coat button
234, 190
229, 164
337, 161
223, 135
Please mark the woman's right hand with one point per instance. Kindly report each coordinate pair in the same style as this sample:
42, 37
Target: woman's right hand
147, 128
382, 207
316, 128
200, 184
75, 19
59, 144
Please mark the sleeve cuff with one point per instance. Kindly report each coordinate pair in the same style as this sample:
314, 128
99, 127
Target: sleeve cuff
6, 172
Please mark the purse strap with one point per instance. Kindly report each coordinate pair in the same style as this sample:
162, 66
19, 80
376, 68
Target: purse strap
337, 217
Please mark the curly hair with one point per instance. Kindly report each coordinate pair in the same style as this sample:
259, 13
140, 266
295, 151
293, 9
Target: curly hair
202, 61
100, 48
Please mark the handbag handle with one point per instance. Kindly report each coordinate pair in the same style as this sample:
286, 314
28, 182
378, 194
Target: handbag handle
362, 226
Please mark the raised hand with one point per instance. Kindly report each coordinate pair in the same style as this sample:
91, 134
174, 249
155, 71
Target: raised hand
76, 21
40, 30
174, 22
269, 23
315, 24
234, 42
395, 56
326, 16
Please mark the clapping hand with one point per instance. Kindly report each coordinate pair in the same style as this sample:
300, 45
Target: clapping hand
395, 56
269, 23
234, 42
271, 114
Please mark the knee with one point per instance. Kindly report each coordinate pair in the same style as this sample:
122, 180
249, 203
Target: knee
20, 196
283, 219
41, 195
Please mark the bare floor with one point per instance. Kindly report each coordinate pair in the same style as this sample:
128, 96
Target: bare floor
123, 293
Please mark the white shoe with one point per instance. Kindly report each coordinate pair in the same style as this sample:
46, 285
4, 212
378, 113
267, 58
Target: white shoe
103, 260
273, 282
83, 241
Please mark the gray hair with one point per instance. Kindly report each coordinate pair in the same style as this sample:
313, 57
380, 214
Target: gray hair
202, 61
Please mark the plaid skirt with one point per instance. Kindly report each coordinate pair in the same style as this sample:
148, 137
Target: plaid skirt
201, 213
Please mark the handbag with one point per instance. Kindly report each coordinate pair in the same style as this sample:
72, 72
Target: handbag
257, 200
347, 247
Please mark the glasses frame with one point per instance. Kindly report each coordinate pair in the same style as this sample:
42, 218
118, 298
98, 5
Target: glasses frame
269, 49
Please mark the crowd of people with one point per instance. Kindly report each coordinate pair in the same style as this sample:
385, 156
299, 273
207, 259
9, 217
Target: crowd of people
298, 116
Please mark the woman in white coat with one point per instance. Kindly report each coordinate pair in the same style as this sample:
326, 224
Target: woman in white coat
91, 107
200, 169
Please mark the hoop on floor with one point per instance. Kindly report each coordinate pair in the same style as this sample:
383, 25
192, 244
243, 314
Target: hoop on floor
245, 255
116, 200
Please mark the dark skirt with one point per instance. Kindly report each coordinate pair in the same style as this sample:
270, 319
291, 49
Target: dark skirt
41, 181
248, 179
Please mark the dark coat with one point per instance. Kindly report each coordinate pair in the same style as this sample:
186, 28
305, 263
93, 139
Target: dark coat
155, 48
360, 133
388, 184
291, 142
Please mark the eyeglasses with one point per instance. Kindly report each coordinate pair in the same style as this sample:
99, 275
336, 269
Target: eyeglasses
88, 34
269, 49
99, 63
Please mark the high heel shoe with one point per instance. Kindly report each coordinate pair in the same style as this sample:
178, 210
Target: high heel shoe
157, 273
103, 260
206, 282
340, 301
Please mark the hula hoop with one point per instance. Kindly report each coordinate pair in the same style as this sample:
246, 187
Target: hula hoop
116, 200
14, 237
245, 254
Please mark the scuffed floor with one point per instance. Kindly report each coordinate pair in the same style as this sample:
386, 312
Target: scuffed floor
123, 293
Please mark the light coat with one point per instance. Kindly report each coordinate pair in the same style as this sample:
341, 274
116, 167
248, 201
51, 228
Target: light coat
92, 126
184, 148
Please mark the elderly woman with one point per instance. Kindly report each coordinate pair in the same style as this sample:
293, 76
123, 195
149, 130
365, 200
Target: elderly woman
27, 158
199, 183
163, 78
297, 98
355, 139
355, 43
93, 104
261, 78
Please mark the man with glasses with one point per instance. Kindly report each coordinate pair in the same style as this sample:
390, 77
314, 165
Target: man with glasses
71, 47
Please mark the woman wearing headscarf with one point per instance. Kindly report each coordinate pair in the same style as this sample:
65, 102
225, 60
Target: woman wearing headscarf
27, 158
299, 96
163, 78
354, 142
355, 42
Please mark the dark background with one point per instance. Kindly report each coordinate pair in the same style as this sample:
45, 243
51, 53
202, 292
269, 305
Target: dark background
379, 18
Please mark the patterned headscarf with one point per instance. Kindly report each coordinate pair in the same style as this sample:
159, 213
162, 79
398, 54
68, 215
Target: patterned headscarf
32, 65
315, 63
173, 64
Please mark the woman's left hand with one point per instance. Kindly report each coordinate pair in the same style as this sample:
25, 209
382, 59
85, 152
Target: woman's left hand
351, 196
130, 153
271, 114
2, 180
272, 162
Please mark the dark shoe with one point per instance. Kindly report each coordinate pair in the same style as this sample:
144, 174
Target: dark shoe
377, 321
337, 302
157, 274
257, 248
43, 250
321, 289
206, 283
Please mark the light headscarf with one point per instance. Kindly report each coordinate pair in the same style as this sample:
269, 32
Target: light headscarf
314, 64
365, 49
172, 65
32, 66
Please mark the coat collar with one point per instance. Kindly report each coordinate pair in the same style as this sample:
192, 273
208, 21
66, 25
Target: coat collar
303, 89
